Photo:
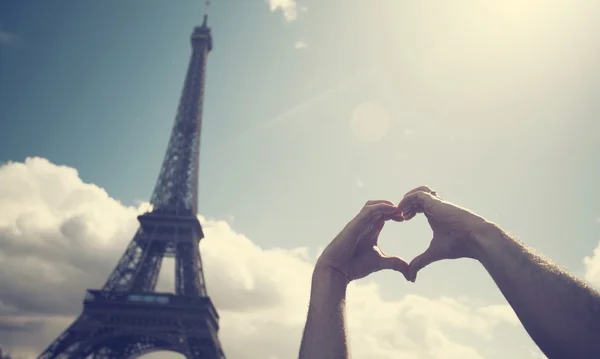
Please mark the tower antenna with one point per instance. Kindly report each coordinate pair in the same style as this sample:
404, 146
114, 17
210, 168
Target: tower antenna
206, 6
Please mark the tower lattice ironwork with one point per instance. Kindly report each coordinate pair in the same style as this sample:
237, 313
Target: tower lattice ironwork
127, 317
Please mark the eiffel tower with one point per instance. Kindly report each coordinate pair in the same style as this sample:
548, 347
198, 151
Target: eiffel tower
127, 317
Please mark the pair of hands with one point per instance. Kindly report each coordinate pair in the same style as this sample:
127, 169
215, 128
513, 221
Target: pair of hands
355, 254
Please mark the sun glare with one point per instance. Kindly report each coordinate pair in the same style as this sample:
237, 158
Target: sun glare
370, 122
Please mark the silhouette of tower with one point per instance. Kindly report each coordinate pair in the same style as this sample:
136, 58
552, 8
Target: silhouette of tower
127, 318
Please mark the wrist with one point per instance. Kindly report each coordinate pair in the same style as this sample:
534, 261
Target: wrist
328, 285
325, 275
484, 240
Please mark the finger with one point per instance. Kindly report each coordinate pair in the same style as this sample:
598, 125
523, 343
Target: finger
396, 216
377, 201
417, 201
378, 210
420, 189
421, 261
376, 230
396, 264
408, 214
426, 189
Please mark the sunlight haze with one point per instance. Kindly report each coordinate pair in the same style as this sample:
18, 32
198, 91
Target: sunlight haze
311, 109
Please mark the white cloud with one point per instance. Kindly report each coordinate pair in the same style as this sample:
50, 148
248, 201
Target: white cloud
288, 7
300, 44
592, 267
59, 236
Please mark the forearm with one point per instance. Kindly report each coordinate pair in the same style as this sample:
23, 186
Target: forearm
325, 331
560, 312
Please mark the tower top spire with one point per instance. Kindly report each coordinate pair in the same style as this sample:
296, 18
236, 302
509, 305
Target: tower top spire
206, 7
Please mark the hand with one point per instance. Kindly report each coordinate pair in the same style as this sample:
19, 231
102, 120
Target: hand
454, 228
354, 252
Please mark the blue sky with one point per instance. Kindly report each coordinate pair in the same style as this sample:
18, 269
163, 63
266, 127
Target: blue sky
493, 105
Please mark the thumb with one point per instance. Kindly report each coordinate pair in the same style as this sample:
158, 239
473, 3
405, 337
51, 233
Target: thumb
394, 263
423, 260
